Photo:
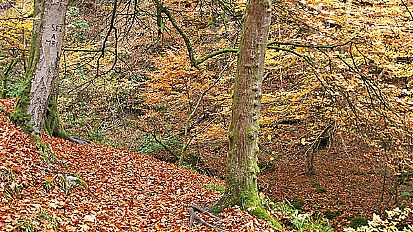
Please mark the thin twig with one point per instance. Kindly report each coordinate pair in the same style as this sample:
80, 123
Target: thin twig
407, 8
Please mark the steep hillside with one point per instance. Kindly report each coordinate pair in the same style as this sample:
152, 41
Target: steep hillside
89, 188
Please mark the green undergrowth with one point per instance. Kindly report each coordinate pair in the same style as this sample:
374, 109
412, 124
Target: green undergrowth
294, 219
43, 221
358, 222
66, 179
10, 186
283, 215
26, 226
46, 216
397, 220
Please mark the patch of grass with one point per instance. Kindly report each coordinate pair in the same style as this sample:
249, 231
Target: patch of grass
316, 184
50, 219
47, 183
26, 226
14, 90
321, 190
216, 188
69, 182
45, 151
297, 220
331, 214
296, 203
406, 195
11, 186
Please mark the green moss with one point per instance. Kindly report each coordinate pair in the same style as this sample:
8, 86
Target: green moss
20, 115
253, 168
321, 190
358, 222
247, 200
232, 134
253, 205
266, 3
252, 130
53, 124
216, 188
261, 213
219, 206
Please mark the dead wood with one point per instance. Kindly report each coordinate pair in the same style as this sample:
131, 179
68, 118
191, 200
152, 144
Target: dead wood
321, 141
79, 141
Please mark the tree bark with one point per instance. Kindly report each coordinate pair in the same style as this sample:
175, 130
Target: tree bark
20, 115
46, 74
42, 73
52, 122
242, 168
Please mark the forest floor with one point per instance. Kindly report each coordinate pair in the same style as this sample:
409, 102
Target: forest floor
349, 182
121, 190
124, 191
345, 184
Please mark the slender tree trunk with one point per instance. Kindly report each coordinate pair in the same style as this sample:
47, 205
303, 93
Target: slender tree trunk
242, 168
42, 73
6, 74
20, 115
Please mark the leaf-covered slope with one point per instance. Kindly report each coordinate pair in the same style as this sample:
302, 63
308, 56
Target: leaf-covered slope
125, 191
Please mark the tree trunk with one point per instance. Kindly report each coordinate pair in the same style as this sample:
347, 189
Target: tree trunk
20, 115
52, 122
6, 74
42, 73
44, 81
242, 168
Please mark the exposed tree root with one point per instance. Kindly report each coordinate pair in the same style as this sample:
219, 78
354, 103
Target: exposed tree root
195, 218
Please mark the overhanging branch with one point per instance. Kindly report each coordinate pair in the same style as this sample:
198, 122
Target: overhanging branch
194, 61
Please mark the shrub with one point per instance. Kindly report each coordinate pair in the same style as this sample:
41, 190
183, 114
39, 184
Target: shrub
397, 220
295, 219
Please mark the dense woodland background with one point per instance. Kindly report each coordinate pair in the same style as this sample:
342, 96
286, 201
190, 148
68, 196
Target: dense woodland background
336, 120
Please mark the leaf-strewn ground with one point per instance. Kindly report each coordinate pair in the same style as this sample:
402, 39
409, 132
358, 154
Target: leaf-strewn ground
125, 191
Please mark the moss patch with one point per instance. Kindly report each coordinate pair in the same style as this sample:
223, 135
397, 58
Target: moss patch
216, 188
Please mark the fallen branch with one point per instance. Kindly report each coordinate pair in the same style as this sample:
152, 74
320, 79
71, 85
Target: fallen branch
79, 141
309, 153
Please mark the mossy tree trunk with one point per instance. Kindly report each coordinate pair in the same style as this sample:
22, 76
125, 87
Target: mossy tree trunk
21, 115
34, 103
52, 122
242, 168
